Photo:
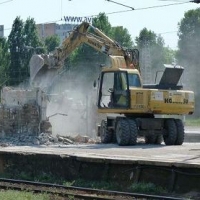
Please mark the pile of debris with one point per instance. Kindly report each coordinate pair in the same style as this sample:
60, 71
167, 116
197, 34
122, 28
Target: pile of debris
43, 139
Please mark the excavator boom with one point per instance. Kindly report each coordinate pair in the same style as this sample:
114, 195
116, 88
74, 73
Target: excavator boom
50, 64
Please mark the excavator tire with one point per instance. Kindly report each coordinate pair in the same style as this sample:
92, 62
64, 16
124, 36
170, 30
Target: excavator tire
180, 132
170, 137
133, 131
122, 132
105, 134
150, 139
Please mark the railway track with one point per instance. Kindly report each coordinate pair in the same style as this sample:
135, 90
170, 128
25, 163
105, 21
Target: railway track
75, 192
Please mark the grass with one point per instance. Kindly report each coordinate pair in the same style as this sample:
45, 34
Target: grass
23, 195
192, 122
146, 188
102, 185
19, 195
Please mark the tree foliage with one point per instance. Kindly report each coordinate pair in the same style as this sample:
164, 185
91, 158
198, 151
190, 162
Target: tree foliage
151, 47
4, 61
153, 54
189, 40
102, 23
23, 41
188, 53
145, 36
122, 36
16, 41
51, 42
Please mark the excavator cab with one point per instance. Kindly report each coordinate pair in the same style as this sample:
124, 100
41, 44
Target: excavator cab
114, 89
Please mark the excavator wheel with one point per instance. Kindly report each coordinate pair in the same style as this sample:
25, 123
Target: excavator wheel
122, 132
180, 132
133, 131
171, 136
105, 134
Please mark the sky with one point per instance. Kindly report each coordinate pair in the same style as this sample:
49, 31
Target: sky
163, 20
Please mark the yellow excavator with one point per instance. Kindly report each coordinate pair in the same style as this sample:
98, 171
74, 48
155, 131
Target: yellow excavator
136, 109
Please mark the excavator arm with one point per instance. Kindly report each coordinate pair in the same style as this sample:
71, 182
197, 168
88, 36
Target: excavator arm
47, 65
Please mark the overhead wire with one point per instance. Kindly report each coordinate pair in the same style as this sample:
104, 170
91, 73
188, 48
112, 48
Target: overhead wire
116, 12
135, 9
121, 4
5, 1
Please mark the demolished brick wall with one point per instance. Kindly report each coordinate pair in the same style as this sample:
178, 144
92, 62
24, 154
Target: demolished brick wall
22, 111
19, 119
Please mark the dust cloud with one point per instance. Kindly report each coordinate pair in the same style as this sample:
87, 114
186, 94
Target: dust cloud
72, 105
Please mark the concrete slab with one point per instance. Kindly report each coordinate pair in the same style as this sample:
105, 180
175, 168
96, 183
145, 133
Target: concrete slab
186, 155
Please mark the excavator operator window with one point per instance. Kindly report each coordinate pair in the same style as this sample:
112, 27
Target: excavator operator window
114, 90
106, 89
134, 80
121, 91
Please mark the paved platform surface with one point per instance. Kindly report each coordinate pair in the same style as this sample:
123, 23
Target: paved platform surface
186, 155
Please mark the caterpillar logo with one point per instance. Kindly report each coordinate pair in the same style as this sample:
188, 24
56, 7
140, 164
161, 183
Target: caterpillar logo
169, 100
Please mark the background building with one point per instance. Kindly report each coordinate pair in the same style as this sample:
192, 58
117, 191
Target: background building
61, 30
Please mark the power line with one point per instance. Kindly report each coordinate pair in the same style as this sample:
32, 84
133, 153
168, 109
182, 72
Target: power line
116, 12
168, 32
145, 8
172, 4
5, 1
194, 1
121, 4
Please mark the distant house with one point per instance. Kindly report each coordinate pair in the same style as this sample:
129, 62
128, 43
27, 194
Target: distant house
61, 30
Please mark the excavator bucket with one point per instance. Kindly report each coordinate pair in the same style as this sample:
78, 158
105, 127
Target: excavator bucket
45, 66
41, 75
36, 64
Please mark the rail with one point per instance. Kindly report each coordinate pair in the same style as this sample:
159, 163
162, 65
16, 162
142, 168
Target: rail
76, 192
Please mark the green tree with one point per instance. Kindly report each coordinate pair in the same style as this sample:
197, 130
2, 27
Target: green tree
51, 42
122, 36
102, 23
189, 40
188, 51
4, 61
32, 44
23, 42
152, 53
16, 46
169, 55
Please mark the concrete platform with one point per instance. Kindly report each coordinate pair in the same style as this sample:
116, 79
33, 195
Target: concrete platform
186, 155
176, 168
